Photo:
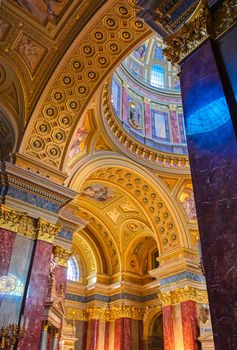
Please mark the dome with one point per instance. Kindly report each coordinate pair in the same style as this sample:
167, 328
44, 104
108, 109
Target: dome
146, 98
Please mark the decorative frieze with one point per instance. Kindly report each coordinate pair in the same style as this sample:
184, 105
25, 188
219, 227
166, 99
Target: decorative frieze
105, 314
180, 295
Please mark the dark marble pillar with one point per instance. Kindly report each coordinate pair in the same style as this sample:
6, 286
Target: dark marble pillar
213, 157
37, 287
190, 325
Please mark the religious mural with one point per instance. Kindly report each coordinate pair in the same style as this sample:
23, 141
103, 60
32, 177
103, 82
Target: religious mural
140, 52
98, 192
44, 10
188, 203
80, 139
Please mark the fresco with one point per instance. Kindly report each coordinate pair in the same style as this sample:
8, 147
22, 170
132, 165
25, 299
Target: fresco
187, 201
98, 192
80, 139
44, 10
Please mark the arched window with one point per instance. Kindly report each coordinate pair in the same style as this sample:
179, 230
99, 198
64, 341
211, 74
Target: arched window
157, 76
72, 270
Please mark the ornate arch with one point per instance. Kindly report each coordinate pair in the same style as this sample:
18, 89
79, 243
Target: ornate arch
150, 193
96, 51
149, 319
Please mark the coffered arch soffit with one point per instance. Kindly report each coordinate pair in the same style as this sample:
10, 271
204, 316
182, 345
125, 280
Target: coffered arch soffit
99, 48
162, 212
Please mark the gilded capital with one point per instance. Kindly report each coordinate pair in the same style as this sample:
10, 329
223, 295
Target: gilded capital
17, 222
190, 36
46, 231
180, 295
62, 255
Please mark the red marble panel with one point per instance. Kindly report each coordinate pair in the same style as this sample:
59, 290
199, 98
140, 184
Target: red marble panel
148, 120
168, 328
174, 126
61, 278
127, 336
94, 335
140, 335
34, 305
106, 344
7, 239
118, 334
190, 325
84, 335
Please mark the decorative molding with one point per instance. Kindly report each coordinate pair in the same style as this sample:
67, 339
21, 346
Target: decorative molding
181, 295
62, 255
46, 231
105, 314
190, 36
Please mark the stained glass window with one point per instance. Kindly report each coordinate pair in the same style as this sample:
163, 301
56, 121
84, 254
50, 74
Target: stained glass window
72, 270
157, 76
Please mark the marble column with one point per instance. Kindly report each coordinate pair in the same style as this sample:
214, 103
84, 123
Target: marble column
44, 337
190, 325
123, 334
106, 339
168, 328
37, 287
55, 339
93, 336
212, 144
147, 119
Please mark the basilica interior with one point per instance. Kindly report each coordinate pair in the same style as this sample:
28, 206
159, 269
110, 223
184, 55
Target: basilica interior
118, 182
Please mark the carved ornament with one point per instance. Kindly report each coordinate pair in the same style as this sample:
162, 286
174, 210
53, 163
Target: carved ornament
46, 231
225, 17
62, 255
183, 294
191, 35
17, 222
105, 314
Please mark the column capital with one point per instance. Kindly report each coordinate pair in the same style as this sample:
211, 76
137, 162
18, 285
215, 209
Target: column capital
46, 231
62, 255
191, 35
202, 25
180, 295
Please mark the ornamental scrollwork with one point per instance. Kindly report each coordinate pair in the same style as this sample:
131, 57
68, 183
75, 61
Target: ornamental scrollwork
47, 231
192, 34
17, 222
180, 295
62, 255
